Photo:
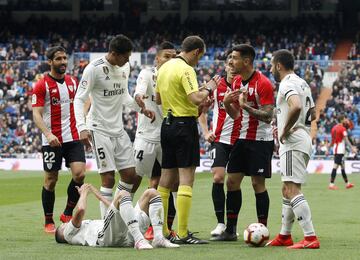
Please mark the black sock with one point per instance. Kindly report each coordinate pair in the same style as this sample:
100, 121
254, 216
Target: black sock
344, 175
333, 175
218, 197
262, 206
233, 205
73, 197
48, 201
171, 211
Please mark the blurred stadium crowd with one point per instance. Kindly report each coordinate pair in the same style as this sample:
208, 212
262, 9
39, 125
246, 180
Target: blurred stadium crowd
22, 63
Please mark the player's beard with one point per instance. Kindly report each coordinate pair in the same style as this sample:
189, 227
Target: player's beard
60, 69
277, 76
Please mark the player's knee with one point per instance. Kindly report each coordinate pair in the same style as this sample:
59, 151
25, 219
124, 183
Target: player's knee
151, 193
108, 180
218, 178
121, 194
231, 184
79, 178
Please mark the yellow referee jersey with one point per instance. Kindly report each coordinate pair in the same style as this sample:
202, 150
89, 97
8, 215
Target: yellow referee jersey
175, 81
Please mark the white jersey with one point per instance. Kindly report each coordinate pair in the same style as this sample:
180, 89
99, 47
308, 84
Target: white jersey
145, 85
85, 235
300, 139
107, 85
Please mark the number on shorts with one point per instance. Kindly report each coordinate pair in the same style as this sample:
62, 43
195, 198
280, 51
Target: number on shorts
140, 155
101, 153
49, 157
213, 153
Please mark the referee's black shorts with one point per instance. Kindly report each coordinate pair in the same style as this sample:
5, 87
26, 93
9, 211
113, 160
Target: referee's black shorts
252, 158
180, 143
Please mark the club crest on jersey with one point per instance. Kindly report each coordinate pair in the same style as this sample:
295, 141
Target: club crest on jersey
71, 88
106, 71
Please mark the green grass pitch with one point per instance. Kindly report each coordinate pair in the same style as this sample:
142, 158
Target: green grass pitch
335, 216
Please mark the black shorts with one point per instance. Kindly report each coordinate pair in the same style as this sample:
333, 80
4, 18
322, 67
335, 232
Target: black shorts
220, 153
180, 143
156, 170
71, 152
339, 158
252, 158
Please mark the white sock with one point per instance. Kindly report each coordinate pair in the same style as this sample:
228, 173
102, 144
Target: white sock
303, 214
288, 216
174, 193
107, 194
124, 186
127, 213
156, 214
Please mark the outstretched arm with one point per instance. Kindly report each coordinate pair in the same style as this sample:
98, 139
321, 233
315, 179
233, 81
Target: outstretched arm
81, 205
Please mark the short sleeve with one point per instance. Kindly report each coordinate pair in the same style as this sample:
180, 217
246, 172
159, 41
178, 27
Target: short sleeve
70, 231
189, 81
38, 96
287, 90
142, 82
266, 93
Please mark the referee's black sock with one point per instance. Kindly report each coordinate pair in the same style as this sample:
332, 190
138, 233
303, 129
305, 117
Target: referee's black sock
218, 197
262, 206
73, 197
333, 175
171, 212
48, 201
344, 175
233, 205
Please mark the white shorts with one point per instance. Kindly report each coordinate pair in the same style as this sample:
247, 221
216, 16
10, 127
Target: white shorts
293, 166
115, 232
112, 153
146, 153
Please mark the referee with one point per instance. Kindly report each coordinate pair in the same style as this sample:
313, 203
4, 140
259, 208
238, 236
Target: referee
178, 91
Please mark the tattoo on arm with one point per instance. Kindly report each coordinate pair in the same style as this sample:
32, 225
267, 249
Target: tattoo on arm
264, 114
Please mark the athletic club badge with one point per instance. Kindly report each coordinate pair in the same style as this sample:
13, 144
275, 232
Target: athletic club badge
49, 165
71, 88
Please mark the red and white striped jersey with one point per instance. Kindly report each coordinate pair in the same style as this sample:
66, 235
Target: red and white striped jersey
225, 128
57, 99
338, 134
260, 93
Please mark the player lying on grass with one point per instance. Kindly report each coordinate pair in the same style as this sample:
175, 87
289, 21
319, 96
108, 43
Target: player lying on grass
123, 225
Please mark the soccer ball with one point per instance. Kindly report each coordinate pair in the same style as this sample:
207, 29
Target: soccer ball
256, 234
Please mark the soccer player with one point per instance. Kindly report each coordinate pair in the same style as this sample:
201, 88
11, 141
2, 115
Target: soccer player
252, 103
295, 111
339, 140
178, 92
222, 138
53, 112
147, 147
123, 224
106, 81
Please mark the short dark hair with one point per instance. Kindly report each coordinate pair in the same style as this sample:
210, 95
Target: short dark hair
246, 50
285, 58
341, 118
121, 44
50, 53
58, 238
166, 45
191, 43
